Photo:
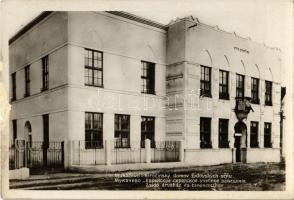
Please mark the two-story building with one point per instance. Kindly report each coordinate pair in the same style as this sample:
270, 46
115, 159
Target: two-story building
97, 76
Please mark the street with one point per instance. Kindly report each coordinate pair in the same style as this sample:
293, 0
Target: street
226, 177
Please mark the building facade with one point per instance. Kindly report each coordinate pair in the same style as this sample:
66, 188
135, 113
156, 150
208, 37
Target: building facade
97, 76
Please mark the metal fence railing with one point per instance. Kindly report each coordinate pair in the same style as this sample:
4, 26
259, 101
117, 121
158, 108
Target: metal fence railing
12, 157
165, 151
134, 153
36, 154
88, 153
41, 154
96, 153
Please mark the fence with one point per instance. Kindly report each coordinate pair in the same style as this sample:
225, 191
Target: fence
165, 151
111, 152
88, 153
41, 154
134, 154
12, 157
36, 154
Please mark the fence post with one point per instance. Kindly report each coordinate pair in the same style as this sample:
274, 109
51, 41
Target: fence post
181, 151
147, 151
108, 151
233, 155
67, 154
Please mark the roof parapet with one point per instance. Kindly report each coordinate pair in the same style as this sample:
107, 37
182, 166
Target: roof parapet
216, 27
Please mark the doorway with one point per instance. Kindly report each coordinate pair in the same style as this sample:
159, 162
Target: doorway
28, 133
45, 137
240, 141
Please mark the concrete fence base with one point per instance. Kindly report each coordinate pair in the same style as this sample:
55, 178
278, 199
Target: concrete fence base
76, 154
189, 156
19, 174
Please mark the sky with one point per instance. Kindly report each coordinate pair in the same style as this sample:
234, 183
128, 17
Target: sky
263, 21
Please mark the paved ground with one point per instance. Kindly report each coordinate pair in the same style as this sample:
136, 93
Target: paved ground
246, 177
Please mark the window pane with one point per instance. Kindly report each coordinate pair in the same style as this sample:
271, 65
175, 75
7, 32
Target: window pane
93, 61
148, 77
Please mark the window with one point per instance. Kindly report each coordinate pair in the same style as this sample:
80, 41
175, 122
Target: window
240, 85
14, 131
27, 81
254, 135
13, 82
122, 131
94, 130
205, 132
267, 135
147, 129
223, 131
205, 81
45, 73
93, 68
148, 77
268, 93
254, 90
223, 84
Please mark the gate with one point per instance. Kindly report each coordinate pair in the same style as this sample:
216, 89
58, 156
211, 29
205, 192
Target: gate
41, 154
165, 151
36, 154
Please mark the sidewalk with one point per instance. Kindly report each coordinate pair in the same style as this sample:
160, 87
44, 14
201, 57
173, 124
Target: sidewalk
127, 167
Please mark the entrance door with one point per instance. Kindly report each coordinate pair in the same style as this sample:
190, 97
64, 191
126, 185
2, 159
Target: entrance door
238, 148
45, 137
241, 141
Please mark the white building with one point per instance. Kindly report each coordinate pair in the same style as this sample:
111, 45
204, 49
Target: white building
99, 76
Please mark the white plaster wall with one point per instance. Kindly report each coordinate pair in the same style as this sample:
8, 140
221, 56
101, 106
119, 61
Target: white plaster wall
122, 68
215, 48
118, 36
48, 34
57, 127
203, 156
263, 155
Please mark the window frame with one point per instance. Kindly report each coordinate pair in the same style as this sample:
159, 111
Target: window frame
267, 142
222, 85
205, 85
118, 140
92, 68
268, 94
45, 73
13, 85
148, 75
27, 81
254, 90
254, 144
94, 132
240, 88
225, 133
205, 133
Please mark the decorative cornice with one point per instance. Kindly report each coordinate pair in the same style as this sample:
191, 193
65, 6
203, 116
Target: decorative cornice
139, 19
117, 13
